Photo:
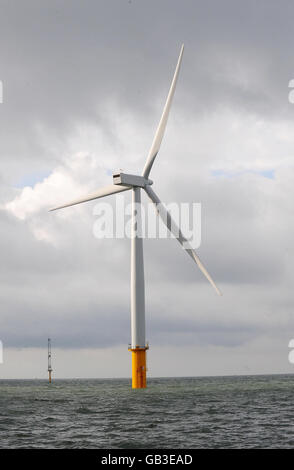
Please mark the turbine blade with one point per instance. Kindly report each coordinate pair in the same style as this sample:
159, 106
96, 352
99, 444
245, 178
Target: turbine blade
174, 229
106, 191
162, 123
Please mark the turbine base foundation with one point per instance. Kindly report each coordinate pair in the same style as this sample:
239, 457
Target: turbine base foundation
139, 367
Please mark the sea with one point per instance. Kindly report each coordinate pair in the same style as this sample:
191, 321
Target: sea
172, 413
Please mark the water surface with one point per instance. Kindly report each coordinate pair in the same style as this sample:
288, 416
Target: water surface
205, 412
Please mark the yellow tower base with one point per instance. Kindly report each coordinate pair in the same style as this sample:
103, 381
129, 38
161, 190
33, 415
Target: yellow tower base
139, 367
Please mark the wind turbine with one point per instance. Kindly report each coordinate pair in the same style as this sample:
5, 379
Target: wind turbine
135, 183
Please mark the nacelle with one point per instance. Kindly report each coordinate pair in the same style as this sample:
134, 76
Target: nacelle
123, 179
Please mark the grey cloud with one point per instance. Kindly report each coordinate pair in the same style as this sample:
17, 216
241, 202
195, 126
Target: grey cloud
63, 66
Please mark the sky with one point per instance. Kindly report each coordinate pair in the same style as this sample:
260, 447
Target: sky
84, 84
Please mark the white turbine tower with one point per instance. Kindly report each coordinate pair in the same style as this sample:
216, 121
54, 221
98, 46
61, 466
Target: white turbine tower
125, 182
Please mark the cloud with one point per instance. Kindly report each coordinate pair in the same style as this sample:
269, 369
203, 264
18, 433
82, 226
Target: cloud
84, 90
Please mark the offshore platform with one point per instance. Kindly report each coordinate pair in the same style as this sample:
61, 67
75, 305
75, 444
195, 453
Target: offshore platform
49, 360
